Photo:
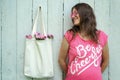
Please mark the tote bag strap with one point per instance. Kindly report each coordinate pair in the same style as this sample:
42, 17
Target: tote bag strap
39, 16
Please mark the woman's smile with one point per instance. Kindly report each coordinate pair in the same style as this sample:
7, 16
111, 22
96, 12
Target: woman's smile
75, 17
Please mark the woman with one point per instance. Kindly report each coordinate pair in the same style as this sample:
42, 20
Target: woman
85, 47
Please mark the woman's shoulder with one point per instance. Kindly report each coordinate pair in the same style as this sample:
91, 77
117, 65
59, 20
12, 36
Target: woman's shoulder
102, 36
68, 35
69, 32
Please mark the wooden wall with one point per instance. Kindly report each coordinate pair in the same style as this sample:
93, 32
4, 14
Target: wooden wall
16, 20
114, 40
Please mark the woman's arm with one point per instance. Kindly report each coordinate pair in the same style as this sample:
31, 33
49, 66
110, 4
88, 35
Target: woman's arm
63, 55
105, 58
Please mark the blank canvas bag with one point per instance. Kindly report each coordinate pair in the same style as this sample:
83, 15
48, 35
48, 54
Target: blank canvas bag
38, 53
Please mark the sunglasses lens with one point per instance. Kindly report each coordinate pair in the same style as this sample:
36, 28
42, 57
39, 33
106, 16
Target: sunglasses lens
73, 14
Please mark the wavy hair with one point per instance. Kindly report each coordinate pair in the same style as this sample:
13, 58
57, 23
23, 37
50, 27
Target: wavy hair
87, 21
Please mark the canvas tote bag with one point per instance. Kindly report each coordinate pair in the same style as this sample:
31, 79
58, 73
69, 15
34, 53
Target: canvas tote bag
38, 52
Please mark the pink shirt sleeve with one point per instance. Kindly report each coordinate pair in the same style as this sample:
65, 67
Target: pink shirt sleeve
103, 37
68, 36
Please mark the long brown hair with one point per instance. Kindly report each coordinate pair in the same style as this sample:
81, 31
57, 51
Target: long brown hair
87, 21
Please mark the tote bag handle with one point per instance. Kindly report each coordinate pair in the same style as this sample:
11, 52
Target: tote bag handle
39, 14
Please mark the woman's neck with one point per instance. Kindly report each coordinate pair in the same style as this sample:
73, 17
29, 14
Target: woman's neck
84, 36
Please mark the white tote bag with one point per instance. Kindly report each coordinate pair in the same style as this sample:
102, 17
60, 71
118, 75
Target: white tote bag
38, 53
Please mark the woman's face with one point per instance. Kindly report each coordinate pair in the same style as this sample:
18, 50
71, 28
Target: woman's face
75, 17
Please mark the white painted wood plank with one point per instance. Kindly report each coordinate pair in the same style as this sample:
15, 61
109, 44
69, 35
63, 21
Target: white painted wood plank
55, 26
9, 40
102, 17
0, 39
24, 26
43, 4
68, 4
114, 40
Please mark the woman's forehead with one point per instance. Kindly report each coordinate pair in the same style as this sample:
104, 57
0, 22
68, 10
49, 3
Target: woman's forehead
74, 10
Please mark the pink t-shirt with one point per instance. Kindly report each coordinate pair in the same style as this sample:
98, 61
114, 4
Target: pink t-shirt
84, 57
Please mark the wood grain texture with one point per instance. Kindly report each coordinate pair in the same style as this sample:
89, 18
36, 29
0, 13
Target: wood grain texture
102, 15
0, 40
24, 27
9, 42
114, 69
55, 27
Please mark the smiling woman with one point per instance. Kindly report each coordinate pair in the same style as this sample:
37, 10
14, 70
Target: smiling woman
84, 45
17, 17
